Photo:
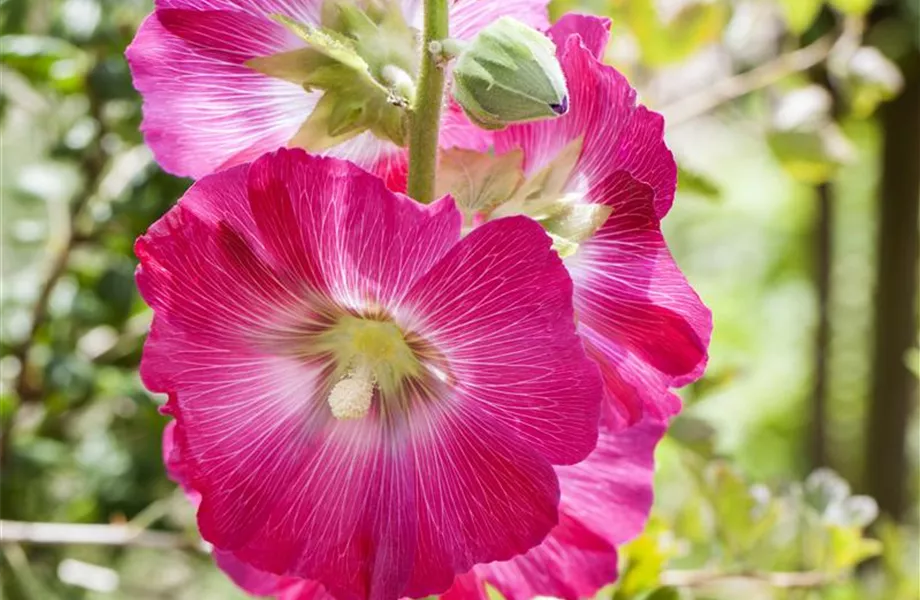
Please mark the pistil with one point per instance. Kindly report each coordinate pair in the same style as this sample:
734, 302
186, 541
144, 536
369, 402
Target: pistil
351, 397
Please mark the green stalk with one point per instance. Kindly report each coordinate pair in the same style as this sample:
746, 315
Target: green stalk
425, 120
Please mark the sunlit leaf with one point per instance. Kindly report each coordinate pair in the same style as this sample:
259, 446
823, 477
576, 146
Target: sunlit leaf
663, 42
811, 156
852, 7
643, 559
800, 14
848, 547
869, 78
694, 182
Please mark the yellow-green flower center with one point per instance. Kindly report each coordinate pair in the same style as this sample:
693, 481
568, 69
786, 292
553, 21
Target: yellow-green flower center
369, 355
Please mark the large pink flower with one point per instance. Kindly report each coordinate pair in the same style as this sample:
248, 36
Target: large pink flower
206, 110
605, 501
361, 397
638, 316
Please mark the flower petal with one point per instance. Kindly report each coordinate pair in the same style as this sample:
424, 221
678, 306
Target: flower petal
250, 579
593, 32
247, 577
467, 17
631, 298
605, 501
501, 313
611, 491
573, 562
204, 109
328, 221
306, 11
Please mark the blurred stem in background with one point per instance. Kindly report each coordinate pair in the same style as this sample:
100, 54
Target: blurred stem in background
823, 258
894, 383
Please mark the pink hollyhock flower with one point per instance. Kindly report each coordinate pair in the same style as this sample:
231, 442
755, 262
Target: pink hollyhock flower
361, 397
605, 501
206, 110
639, 318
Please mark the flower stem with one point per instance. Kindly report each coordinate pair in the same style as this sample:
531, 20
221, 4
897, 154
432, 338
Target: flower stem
425, 120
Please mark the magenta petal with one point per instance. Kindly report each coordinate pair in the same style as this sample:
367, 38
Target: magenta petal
247, 577
573, 562
611, 492
254, 581
203, 108
467, 17
593, 32
494, 497
323, 220
630, 296
458, 132
303, 589
307, 11
502, 313
605, 501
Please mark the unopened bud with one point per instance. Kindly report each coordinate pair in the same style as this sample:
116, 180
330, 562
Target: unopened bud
508, 74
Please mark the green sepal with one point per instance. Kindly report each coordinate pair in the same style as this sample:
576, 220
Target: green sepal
509, 74
351, 59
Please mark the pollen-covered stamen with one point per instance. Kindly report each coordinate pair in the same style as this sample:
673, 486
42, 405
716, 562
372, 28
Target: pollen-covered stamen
351, 397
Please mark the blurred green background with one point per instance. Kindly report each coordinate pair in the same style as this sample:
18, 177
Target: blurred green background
793, 471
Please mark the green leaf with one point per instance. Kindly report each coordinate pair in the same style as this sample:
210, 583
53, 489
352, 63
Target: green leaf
869, 78
665, 593
732, 503
848, 548
693, 433
852, 7
912, 360
811, 156
800, 14
694, 182
348, 59
644, 558
46, 59
695, 25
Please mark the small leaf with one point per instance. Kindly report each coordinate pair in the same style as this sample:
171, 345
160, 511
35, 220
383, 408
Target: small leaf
693, 433
693, 182
912, 360
695, 25
848, 548
547, 185
665, 593
869, 78
811, 156
644, 559
800, 14
852, 7
294, 66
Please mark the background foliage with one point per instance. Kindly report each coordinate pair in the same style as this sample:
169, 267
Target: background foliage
795, 123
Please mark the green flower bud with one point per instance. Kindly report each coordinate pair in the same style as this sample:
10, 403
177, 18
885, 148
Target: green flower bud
508, 74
